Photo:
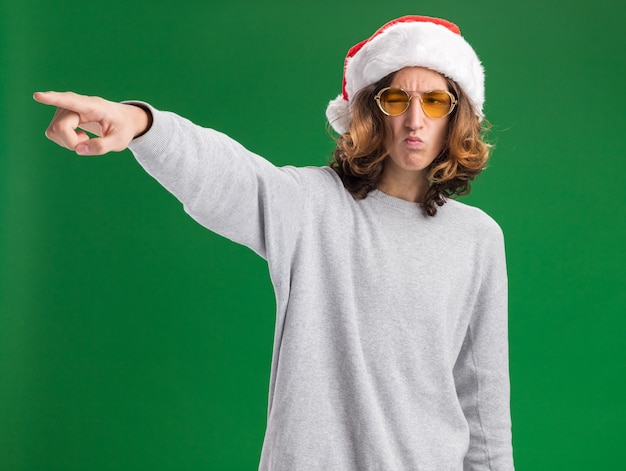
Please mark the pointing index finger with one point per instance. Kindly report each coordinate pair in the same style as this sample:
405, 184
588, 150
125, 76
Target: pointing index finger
68, 100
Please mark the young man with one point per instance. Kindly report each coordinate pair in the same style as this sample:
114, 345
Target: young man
390, 348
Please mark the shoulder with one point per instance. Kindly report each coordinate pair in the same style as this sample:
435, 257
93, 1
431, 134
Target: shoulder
320, 182
470, 220
315, 175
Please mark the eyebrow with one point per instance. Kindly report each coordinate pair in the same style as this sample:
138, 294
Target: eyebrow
423, 93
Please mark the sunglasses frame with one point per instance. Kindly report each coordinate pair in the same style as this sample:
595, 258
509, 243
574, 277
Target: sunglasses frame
453, 101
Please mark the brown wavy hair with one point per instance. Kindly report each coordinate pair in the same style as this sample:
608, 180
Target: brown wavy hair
360, 153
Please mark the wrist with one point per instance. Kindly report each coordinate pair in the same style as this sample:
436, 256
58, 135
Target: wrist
142, 119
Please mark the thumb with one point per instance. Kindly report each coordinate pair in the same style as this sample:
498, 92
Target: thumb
83, 149
82, 140
101, 145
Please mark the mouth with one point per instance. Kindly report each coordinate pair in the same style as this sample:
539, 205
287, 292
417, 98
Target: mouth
413, 141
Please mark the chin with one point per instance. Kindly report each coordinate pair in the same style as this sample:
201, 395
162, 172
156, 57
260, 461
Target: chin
415, 164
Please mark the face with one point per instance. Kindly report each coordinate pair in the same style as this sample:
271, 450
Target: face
416, 140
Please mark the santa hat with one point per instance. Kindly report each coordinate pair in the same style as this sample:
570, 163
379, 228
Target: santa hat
405, 42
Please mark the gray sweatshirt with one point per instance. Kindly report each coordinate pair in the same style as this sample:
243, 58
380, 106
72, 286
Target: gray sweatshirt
390, 348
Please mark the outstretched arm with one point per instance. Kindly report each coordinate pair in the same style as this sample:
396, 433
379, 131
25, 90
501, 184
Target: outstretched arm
222, 185
115, 124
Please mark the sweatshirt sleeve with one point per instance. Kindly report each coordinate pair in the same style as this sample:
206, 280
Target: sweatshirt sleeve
481, 371
223, 186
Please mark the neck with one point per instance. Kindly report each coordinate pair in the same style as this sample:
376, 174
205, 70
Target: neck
408, 186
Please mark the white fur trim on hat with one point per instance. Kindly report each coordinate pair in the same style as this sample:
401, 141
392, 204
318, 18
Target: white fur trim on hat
408, 42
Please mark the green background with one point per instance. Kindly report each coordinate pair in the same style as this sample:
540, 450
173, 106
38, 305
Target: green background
133, 338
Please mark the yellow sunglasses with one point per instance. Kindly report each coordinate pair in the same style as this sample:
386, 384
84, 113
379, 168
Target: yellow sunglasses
395, 101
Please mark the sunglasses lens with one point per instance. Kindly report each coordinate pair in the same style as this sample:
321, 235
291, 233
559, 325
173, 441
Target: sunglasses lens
394, 101
436, 104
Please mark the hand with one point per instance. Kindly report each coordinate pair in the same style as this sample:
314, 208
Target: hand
115, 124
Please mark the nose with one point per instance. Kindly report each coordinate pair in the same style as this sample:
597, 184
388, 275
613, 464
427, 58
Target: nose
414, 116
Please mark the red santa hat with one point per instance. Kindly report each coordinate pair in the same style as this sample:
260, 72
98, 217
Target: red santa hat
405, 42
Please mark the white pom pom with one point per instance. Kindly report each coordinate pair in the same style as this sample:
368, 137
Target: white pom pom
338, 114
